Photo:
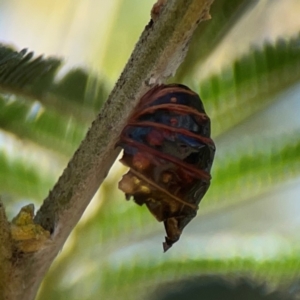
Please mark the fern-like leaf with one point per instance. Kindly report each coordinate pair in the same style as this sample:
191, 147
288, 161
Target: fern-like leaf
250, 83
21, 71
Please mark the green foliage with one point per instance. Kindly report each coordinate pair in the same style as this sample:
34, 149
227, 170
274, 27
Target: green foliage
250, 83
78, 94
28, 120
210, 34
20, 179
19, 71
256, 162
140, 279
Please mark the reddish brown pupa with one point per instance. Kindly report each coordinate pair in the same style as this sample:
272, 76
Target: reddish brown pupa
168, 148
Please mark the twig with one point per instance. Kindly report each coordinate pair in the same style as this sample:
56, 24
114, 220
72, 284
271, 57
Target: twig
6, 251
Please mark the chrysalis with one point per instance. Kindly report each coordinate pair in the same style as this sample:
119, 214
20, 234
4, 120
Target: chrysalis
168, 148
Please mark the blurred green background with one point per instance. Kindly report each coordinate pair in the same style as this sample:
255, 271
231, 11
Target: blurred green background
245, 63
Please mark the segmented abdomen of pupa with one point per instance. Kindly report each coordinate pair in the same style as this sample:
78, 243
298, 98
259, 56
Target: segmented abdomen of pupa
168, 148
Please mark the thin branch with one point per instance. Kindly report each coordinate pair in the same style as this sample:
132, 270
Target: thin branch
157, 55
6, 250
